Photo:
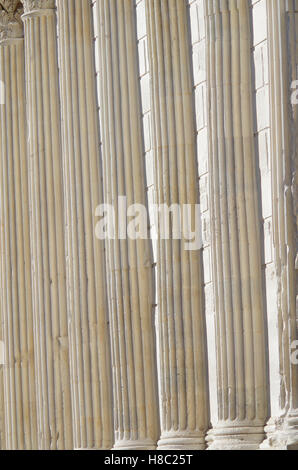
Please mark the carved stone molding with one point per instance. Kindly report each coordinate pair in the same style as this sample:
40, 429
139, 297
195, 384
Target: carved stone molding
11, 26
41, 6
10, 6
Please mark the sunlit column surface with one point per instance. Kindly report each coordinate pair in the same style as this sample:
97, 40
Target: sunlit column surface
86, 284
129, 273
183, 367
282, 431
236, 246
19, 399
47, 227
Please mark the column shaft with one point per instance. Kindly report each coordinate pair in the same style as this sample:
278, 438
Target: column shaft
19, 374
131, 295
47, 227
282, 431
236, 245
87, 299
180, 284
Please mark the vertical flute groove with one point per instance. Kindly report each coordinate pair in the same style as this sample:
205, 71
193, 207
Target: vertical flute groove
19, 385
180, 287
89, 333
240, 325
129, 264
47, 228
282, 431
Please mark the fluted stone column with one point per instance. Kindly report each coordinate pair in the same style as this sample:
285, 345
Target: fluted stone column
242, 391
282, 430
47, 227
86, 285
183, 367
131, 295
19, 375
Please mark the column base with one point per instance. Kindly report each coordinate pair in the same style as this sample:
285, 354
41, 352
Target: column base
146, 444
182, 441
282, 433
236, 436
